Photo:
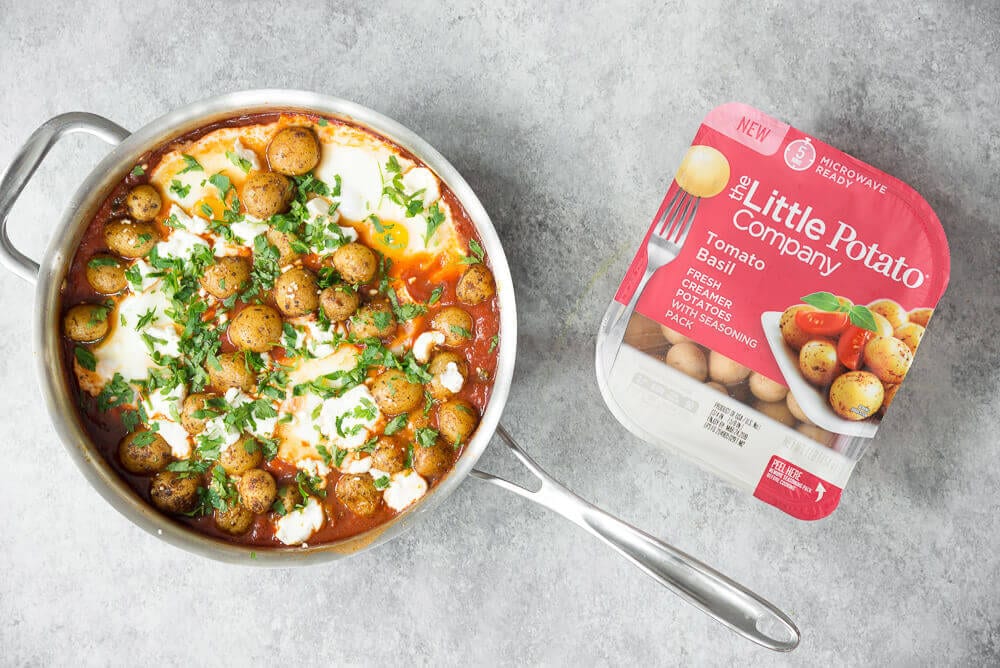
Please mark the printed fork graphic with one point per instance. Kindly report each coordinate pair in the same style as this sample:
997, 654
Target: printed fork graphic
663, 247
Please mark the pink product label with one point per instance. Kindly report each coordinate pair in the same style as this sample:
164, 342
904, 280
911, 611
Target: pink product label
795, 217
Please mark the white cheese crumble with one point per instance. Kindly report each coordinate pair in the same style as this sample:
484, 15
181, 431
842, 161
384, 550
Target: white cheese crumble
165, 403
178, 218
313, 467
357, 465
404, 489
425, 344
176, 437
348, 419
451, 378
319, 214
247, 154
298, 525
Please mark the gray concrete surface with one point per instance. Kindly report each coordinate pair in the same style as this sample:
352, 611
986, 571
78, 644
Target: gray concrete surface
568, 122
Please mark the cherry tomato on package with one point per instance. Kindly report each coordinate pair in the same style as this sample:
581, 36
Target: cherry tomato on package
851, 346
821, 323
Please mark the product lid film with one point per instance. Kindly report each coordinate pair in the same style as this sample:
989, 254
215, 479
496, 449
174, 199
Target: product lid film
778, 310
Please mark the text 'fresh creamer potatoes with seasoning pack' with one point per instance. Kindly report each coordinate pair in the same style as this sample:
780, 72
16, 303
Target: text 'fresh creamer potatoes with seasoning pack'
781, 300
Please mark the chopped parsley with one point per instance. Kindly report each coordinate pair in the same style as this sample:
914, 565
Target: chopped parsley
426, 437
494, 340
96, 262
434, 219
85, 357
179, 188
190, 164
382, 482
309, 485
138, 170
435, 295
239, 161
475, 255
395, 424
461, 331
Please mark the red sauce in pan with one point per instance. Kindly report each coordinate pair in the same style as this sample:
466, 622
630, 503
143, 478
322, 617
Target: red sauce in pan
106, 428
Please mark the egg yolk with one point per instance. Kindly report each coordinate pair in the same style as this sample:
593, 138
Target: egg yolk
704, 172
209, 204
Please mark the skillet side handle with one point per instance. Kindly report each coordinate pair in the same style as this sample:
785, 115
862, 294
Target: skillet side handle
23, 167
727, 601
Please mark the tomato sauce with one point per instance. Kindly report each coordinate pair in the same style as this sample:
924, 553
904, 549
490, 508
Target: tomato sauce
106, 430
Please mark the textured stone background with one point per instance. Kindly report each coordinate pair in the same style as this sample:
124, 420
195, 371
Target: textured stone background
568, 123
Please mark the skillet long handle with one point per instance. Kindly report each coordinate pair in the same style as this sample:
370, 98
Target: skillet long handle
23, 167
729, 602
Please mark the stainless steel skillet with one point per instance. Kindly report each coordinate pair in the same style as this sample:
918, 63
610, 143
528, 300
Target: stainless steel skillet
735, 606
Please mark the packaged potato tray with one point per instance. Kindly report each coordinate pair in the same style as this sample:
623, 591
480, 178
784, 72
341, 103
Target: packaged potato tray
771, 346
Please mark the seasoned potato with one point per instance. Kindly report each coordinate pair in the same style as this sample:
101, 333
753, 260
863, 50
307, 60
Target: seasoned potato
816, 433
129, 239
856, 395
356, 263
889, 392
190, 409
794, 336
144, 452
395, 393
911, 333
288, 498
235, 520
358, 493
776, 410
433, 461
793, 406
86, 323
766, 389
883, 328
256, 328
888, 358
724, 370
241, 456
266, 193
143, 203
456, 325
226, 277
818, 362
457, 419
339, 302
689, 360
172, 492
231, 372
257, 490
718, 387
296, 292
921, 316
891, 311
476, 285
293, 151
283, 242
389, 455
106, 274
374, 320
673, 336
443, 375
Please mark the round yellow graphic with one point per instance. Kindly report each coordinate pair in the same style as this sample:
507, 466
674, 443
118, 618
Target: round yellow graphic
704, 172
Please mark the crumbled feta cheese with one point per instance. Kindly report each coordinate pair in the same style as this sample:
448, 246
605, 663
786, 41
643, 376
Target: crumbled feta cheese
298, 525
425, 344
451, 378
